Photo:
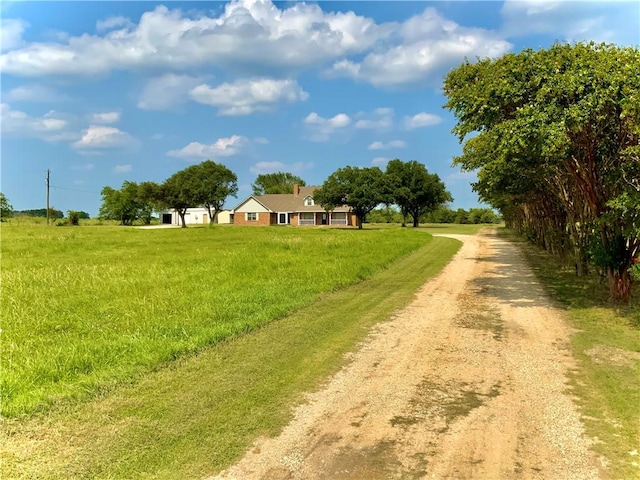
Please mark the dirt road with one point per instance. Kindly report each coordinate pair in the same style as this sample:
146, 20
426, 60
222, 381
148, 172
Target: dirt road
467, 382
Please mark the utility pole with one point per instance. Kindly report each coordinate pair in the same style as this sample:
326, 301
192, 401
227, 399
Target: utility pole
47, 182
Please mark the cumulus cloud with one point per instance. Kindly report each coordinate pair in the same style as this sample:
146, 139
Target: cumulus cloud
167, 91
112, 23
247, 96
320, 129
50, 127
253, 34
11, 31
106, 117
122, 168
380, 119
223, 147
386, 146
100, 137
422, 119
426, 45
33, 93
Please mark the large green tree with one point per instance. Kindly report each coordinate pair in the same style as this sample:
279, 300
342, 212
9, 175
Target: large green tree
207, 184
554, 136
120, 204
6, 209
279, 182
414, 190
362, 189
217, 184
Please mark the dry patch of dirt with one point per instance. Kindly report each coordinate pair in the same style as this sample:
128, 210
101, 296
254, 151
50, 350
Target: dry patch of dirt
612, 356
469, 381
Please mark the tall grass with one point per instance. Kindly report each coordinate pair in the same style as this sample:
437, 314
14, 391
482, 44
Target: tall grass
87, 308
200, 413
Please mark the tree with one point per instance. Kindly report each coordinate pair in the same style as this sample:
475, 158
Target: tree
73, 217
279, 182
206, 184
414, 189
554, 138
6, 209
362, 189
122, 205
217, 184
148, 199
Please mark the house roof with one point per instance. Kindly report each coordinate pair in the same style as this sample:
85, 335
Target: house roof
288, 202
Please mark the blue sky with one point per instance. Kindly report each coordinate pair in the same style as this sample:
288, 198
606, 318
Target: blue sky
103, 92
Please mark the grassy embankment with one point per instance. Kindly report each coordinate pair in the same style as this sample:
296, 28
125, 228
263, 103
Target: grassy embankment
90, 310
606, 346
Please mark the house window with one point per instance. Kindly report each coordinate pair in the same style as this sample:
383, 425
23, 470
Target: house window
308, 202
252, 216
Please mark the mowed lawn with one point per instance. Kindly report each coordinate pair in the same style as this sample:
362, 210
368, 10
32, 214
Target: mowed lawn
87, 308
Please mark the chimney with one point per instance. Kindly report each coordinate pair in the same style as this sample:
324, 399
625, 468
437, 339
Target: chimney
296, 189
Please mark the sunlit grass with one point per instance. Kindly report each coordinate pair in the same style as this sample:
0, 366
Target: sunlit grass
86, 308
195, 416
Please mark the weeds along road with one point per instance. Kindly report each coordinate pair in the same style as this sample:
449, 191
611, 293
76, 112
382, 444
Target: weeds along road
469, 381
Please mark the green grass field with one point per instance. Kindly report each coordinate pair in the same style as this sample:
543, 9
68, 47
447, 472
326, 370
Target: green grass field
194, 416
86, 308
606, 346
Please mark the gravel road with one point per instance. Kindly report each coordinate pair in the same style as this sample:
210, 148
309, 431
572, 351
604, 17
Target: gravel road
467, 382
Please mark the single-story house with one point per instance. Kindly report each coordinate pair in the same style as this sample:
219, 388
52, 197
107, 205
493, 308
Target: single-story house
296, 208
193, 216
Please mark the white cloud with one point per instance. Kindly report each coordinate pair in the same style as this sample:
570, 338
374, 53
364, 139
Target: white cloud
386, 146
271, 167
50, 127
320, 129
421, 119
380, 119
261, 140
599, 21
106, 117
166, 91
33, 93
223, 147
11, 31
113, 23
122, 168
428, 45
267, 167
379, 162
251, 34
99, 137
245, 97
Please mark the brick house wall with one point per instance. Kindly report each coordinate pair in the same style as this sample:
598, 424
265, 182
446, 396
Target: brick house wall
264, 218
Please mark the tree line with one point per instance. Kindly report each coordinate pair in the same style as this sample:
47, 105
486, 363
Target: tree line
443, 214
406, 184
554, 137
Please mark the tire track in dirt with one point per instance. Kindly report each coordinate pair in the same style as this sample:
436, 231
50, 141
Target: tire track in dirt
468, 381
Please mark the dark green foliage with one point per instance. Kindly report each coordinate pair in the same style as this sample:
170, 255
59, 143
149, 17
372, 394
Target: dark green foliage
556, 149
39, 212
207, 184
6, 209
414, 190
362, 189
279, 182
74, 217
